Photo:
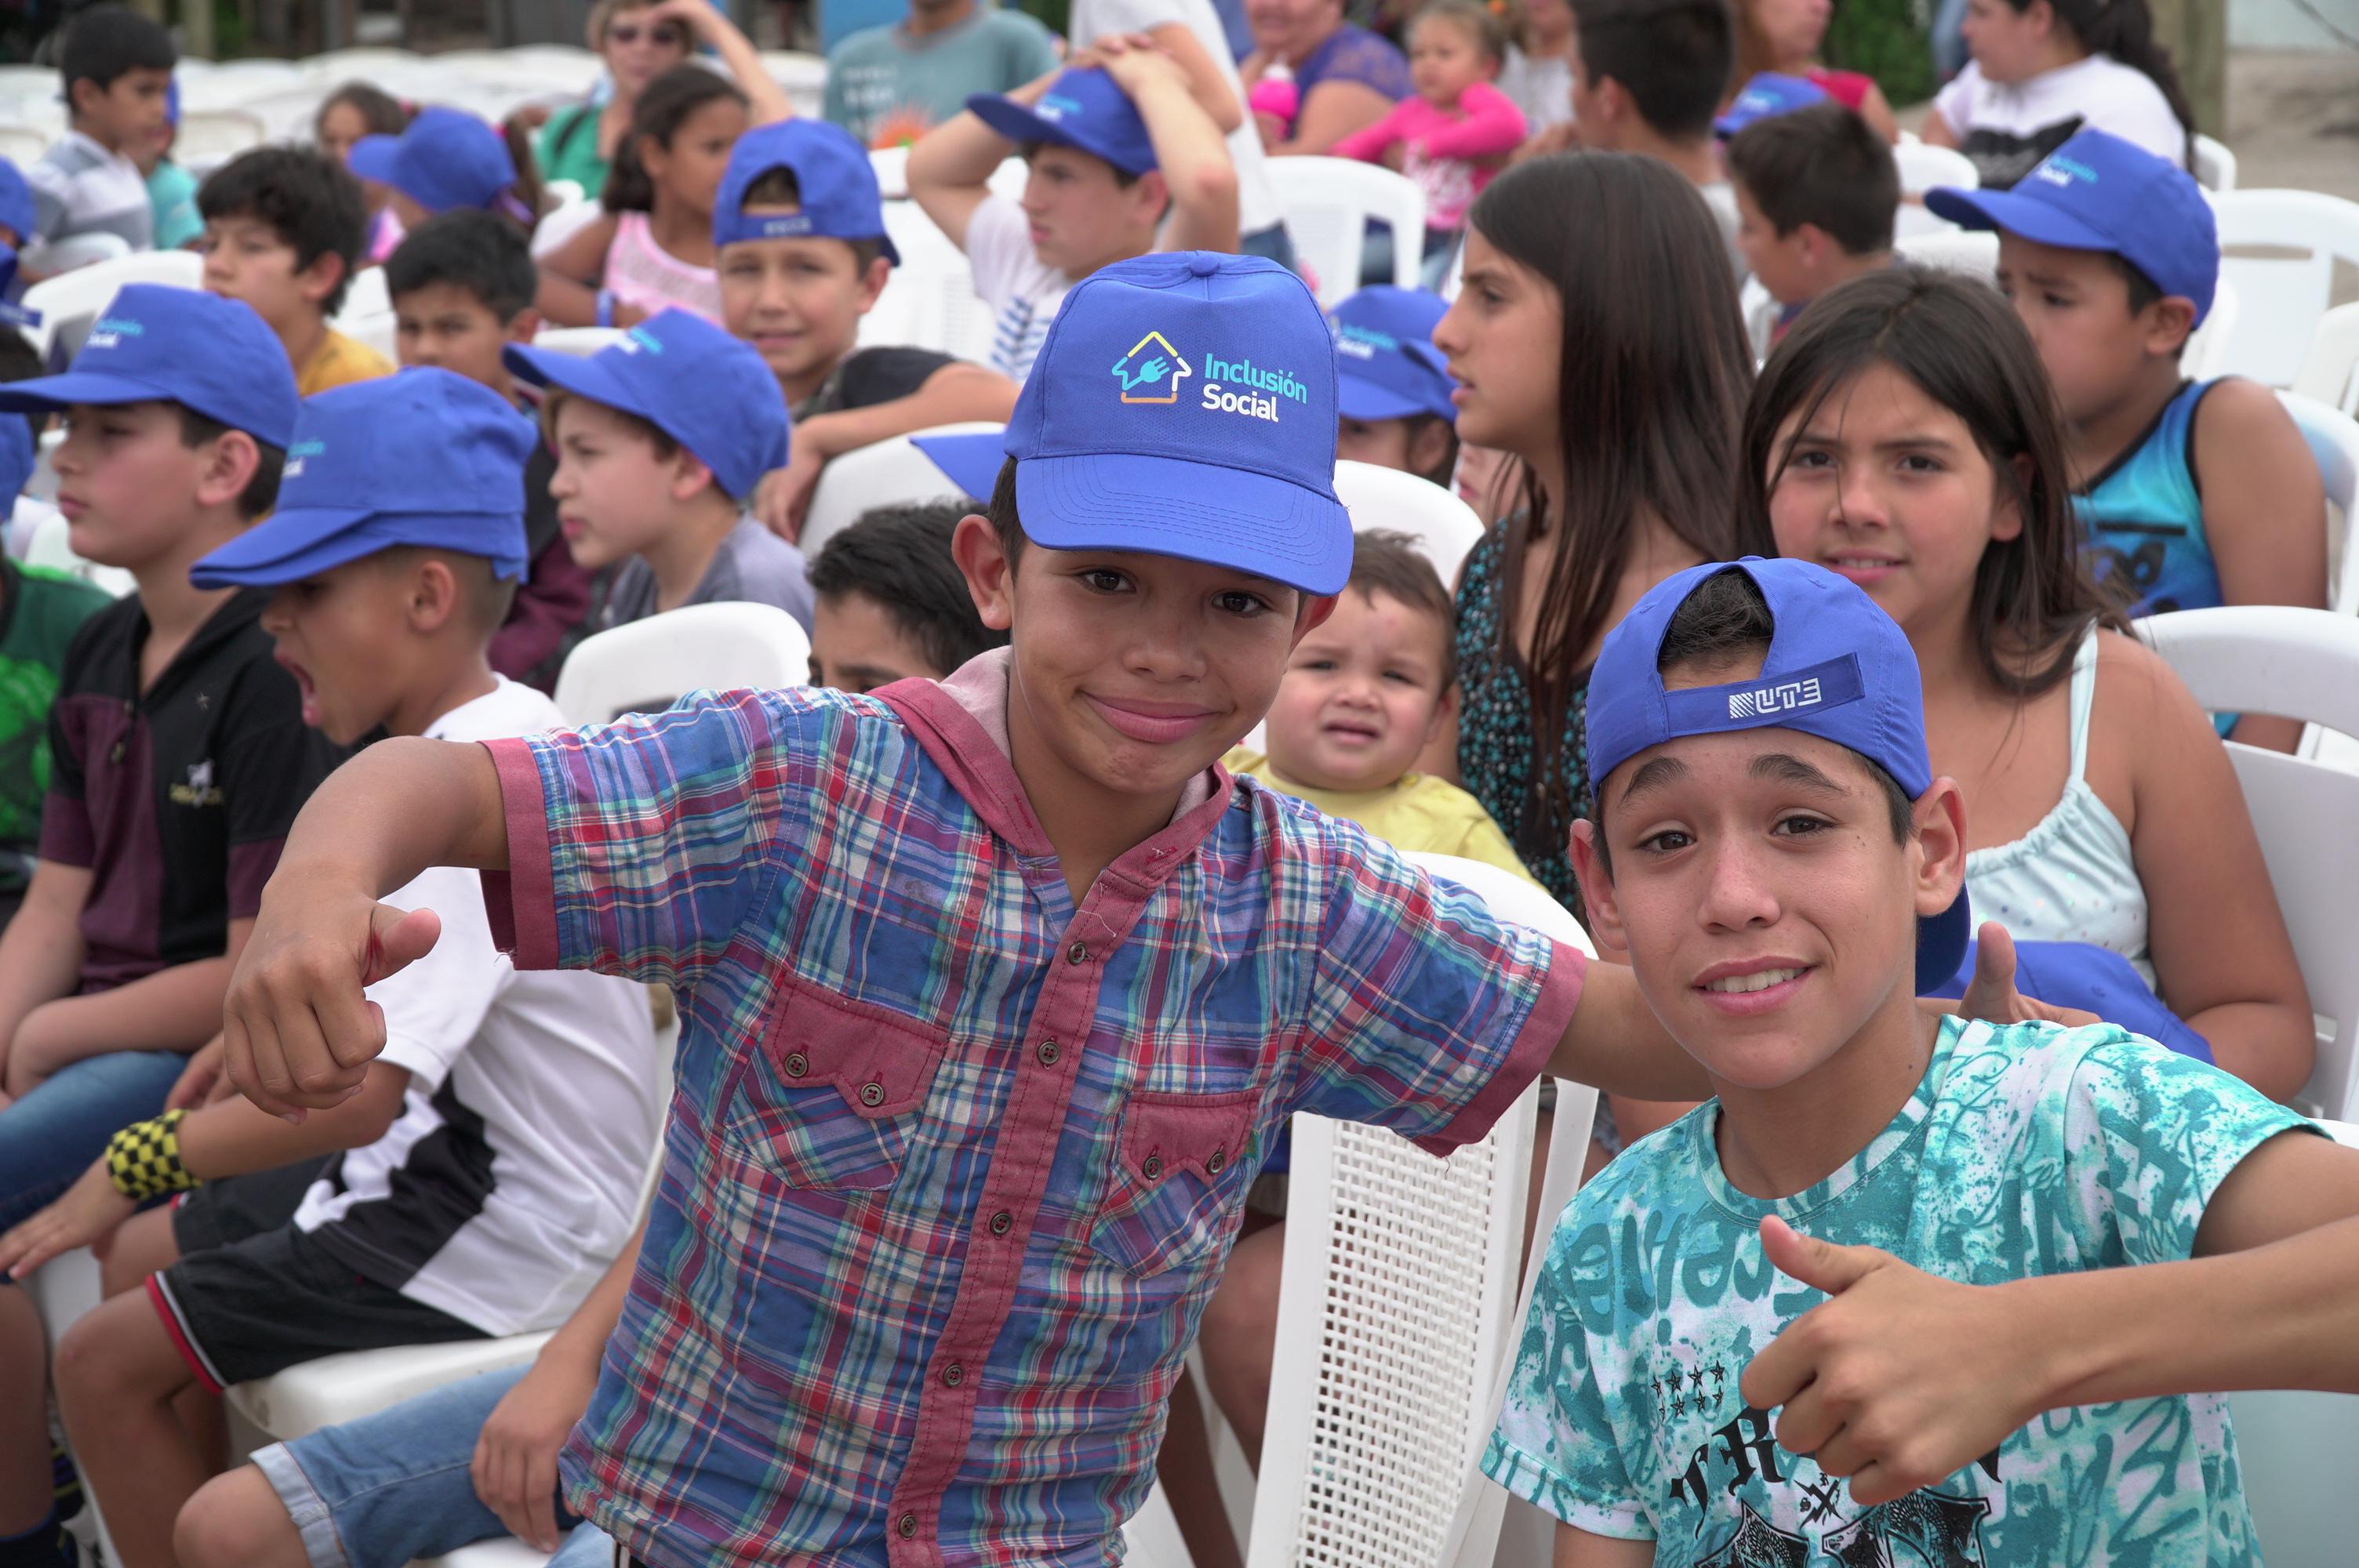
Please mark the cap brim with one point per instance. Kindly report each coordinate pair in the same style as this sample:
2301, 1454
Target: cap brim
2035, 221
1942, 943
971, 461
1015, 121
1356, 399
1236, 518
287, 547
71, 386
371, 157
585, 377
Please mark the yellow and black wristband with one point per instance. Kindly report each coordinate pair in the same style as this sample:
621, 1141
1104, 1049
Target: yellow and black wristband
143, 1161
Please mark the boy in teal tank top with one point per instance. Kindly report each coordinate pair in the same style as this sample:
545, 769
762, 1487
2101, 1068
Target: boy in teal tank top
2194, 494
1909, 1289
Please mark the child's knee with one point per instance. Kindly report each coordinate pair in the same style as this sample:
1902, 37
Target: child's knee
98, 1357
236, 1520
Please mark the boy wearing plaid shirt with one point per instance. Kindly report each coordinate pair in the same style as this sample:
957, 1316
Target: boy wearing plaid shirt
994, 990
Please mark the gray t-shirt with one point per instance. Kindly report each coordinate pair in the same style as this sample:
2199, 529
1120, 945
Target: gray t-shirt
888, 88
753, 566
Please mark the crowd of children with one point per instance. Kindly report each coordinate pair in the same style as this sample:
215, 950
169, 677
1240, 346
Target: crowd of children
1001, 956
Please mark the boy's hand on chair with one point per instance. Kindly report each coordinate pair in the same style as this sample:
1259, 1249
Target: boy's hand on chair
298, 1034
515, 1467
86, 1216
1872, 1383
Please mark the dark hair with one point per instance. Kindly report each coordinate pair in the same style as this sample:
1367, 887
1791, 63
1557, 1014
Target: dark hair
309, 201
485, 597
1488, 27
1724, 619
2144, 290
526, 193
1672, 56
2124, 30
1650, 394
779, 187
657, 116
1393, 564
107, 42
2033, 598
380, 111
1447, 464
1005, 525
261, 492
1822, 165
19, 360
899, 559
470, 249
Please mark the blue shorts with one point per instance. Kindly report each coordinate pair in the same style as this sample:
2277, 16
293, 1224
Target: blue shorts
396, 1486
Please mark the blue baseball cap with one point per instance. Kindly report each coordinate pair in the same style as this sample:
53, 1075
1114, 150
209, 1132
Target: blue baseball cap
1183, 404
2098, 192
18, 460
971, 461
1767, 95
1082, 109
2093, 979
1838, 668
424, 458
837, 196
17, 203
211, 355
446, 160
1385, 364
11, 311
705, 389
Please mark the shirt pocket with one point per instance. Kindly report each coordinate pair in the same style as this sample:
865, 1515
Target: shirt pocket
1178, 1186
830, 1101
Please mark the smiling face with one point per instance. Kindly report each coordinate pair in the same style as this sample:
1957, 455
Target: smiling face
1504, 336
797, 301
1888, 487
1362, 696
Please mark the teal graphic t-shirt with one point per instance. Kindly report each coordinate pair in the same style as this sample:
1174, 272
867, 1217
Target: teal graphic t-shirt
2027, 1149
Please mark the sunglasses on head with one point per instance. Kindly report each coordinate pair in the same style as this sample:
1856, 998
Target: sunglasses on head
665, 33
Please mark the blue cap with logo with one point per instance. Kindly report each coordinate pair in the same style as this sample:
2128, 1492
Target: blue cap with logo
211, 355
1838, 668
1385, 364
18, 460
705, 389
1183, 404
16, 202
447, 159
2098, 192
424, 458
12, 312
1082, 109
1765, 96
837, 195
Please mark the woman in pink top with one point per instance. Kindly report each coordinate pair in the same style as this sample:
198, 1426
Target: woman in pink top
1457, 130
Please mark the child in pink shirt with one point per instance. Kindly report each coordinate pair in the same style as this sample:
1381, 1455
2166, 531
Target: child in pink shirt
1458, 129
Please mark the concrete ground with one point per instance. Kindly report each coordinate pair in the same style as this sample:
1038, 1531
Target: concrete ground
2293, 119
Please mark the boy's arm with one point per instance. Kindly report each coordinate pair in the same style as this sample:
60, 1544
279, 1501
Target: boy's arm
1331, 110
41, 951
1205, 81
957, 392
1190, 151
171, 1010
951, 167
1492, 126
767, 101
1576, 1548
2264, 514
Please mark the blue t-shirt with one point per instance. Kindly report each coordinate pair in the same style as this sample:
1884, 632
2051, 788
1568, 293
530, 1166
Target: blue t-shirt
1351, 53
2027, 1149
2145, 515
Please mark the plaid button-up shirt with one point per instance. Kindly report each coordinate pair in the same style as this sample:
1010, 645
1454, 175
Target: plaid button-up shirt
953, 1163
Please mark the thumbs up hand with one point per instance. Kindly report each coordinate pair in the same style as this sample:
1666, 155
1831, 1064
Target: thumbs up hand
1900, 1379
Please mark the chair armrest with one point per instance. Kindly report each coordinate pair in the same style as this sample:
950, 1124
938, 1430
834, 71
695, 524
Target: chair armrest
301, 1400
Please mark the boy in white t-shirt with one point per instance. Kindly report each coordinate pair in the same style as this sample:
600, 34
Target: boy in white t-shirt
486, 1172
1115, 143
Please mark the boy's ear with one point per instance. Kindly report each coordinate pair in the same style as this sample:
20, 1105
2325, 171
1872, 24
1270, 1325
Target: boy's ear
434, 594
83, 94
2170, 322
873, 281
525, 326
1597, 890
689, 477
229, 463
1939, 817
990, 575
1151, 195
1308, 613
1443, 712
319, 280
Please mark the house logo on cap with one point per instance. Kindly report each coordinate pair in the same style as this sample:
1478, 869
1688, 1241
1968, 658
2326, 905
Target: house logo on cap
1152, 371
2060, 170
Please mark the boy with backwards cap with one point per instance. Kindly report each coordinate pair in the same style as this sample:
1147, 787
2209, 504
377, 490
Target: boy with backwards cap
994, 990
660, 439
1910, 1286
1391, 388
1115, 143
799, 242
487, 1168
2195, 493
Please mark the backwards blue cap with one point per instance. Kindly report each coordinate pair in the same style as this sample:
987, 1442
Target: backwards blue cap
679, 373
18, 460
423, 457
1838, 668
2098, 192
1767, 95
2093, 979
1082, 109
1183, 404
1385, 364
17, 203
211, 355
836, 187
446, 160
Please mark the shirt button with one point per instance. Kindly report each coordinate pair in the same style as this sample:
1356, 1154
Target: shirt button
872, 1095
908, 1526
1079, 953
1218, 1163
1048, 1053
797, 1064
953, 1375
1002, 1223
1153, 1168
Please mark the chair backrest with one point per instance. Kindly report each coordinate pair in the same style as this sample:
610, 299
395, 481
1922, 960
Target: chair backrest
1328, 204
930, 302
2215, 166
1445, 527
2294, 663
2330, 370
87, 290
22, 145
368, 296
51, 545
1923, 166
649, 664
580, 342
1970, 250
892, 167
2280, 248
2333, 440
210, 137
2205, 353
1393, 1318
563, 223
886, 474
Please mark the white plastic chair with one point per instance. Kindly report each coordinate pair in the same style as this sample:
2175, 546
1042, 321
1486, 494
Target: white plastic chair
1971, 251
86, 290
2215, 166
886, 474
1923, 167
1328, 204
210, 137
368, 294
22, 145
2205, 354
381, 333
1445, 527
2330, 370
650, 665
2293, 663
580, 342
892, 167
931, 301
561, 225
2334, 444
2284, 295
51, 547
1395, 1318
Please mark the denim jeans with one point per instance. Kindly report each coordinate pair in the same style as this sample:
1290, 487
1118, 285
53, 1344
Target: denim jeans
379, 1491
50, 1136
